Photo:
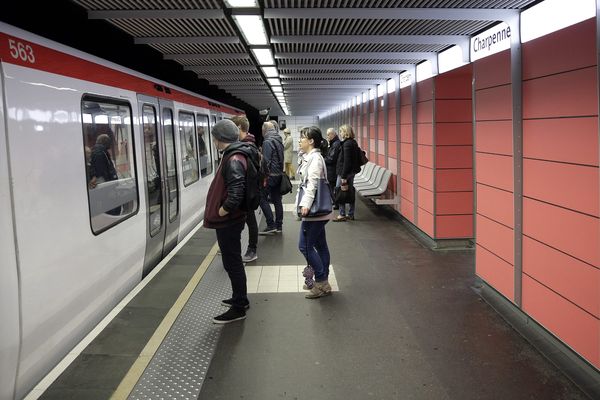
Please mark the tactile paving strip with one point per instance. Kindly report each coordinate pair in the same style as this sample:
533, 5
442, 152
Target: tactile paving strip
178, 369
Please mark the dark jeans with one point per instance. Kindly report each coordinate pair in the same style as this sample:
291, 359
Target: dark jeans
273, 193
252, 230
350, 181
313, 245
230, 242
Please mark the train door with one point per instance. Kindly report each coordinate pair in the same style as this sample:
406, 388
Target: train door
9, 294
161, 191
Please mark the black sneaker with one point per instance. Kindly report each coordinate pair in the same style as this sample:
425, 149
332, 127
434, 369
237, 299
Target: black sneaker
268, 231
231, 315
249, 256
229, 303
278, 230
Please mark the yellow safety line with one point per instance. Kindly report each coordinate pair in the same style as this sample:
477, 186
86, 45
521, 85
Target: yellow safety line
140, 364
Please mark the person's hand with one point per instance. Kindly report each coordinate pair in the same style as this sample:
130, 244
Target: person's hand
305, 211
222, 212
92, 183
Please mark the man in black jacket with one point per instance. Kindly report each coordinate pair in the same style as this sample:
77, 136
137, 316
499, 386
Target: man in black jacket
272, 159
223, 213
332, 157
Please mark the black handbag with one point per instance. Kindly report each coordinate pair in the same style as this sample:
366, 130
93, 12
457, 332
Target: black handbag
322, 204
286, 185
344, 196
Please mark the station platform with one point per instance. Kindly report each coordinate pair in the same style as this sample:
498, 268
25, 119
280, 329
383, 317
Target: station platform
404, 322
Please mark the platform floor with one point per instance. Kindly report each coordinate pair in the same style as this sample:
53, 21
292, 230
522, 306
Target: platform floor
405, 323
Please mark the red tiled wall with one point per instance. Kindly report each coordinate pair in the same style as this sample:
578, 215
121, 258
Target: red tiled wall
406, 155
494, 172
372, 132
380, 136
453, 152
561, 259
392, 151
425, 149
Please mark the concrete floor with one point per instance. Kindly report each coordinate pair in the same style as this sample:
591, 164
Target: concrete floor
406, 324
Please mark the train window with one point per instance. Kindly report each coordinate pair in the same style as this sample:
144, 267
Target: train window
110, 162
172, 184
189, 153
153, 171
204, 146
217, 159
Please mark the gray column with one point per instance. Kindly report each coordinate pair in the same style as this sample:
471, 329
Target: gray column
386, 119
413, 91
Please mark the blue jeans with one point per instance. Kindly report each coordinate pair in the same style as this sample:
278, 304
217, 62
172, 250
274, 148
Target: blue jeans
338, 183
272, 191
313, 245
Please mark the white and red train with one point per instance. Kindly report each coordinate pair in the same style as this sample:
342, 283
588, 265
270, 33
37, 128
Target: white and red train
103, 171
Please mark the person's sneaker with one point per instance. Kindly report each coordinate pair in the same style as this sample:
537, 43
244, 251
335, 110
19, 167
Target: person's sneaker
350, 218
231, 315
278, 230
229, 303
319, 290
268, 231
249, 256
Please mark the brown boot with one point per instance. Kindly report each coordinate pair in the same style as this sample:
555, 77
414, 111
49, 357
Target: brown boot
319, 290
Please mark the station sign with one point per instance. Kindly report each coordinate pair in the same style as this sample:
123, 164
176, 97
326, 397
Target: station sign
492, 41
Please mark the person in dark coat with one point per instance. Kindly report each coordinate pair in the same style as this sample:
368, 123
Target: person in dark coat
332, 156
346, 168
223, 213
102, 167
251, 253
272, 160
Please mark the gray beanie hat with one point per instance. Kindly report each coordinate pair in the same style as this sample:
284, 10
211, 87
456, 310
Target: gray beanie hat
226, 131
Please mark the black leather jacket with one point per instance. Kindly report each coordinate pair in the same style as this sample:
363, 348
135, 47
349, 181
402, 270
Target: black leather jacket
332, 157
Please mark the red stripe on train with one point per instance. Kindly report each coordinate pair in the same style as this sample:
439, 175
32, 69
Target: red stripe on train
21, 52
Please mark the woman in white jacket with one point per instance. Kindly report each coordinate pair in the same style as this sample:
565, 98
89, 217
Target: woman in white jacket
313, 241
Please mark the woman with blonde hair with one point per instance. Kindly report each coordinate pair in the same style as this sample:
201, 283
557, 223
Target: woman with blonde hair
288, 147
347, 166
313, 241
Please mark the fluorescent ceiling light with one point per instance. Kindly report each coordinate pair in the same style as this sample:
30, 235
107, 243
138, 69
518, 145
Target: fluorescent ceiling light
552, 15
277, 89
452, 58
264, 56
274, 81
270, 72
391, 86
380, 90
241, 3
424, 71
252, 28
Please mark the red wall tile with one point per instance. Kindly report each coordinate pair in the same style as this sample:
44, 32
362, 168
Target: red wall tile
495, 271
566, 185
425, 134
574, 280
406, 152
571, 232
406, 171
454, 226
425, 156
494, 137
393, 167
453, 133
454, 180
451, 203
392, 151
425, 112
425, 176
406, 114
453, 110
406, 189
425, 199
454, 157
493, 70
425, 222
568, 322
496, 238
392, 117
573, 140
495, 170
406, 133
495, 204
493, 103
407, 209
425, 90
455, 84
563, 95
575, 44
381, 160
405, 95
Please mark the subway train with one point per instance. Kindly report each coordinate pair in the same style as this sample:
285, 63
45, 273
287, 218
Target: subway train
103, 171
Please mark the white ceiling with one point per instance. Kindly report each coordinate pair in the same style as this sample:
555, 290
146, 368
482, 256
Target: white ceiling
326, 51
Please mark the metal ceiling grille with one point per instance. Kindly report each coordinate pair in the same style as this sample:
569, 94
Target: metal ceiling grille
314, 50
